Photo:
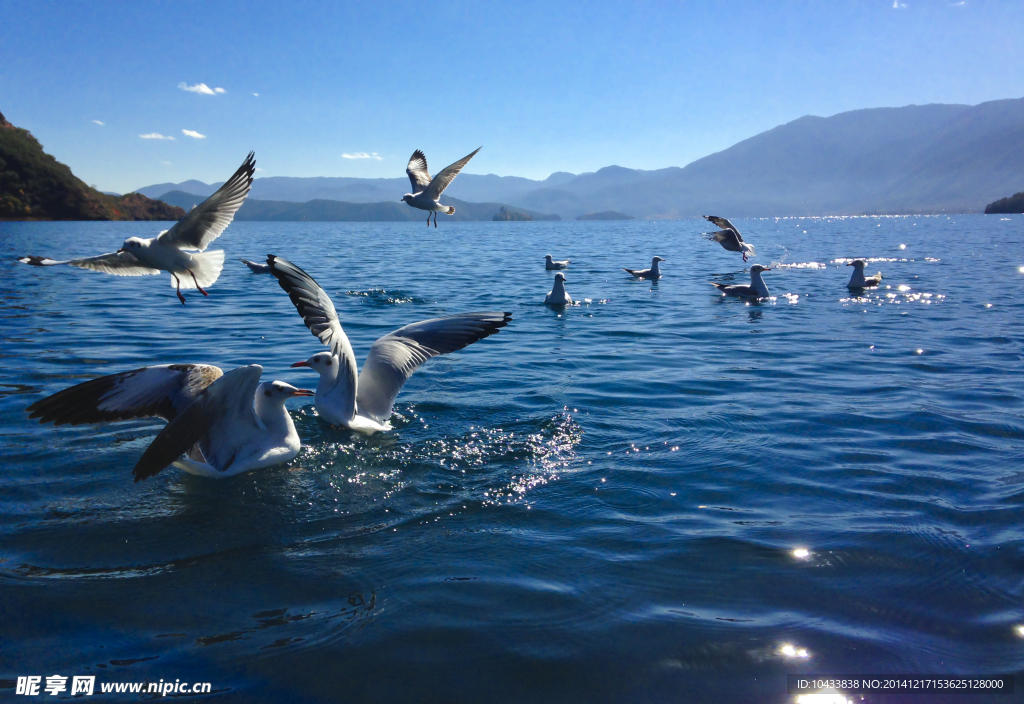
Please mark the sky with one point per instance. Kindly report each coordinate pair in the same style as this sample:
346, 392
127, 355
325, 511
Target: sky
135, 93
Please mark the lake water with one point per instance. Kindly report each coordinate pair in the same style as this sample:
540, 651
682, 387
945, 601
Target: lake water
595, 505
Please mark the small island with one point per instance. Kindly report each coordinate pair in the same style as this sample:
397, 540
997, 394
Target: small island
605, 215
35, 186
1006, 206
506, 215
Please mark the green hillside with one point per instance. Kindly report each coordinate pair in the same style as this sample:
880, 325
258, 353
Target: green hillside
35, 186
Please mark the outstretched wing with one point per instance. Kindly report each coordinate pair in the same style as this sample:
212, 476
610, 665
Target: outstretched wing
117, 263
447, 175
220, 420
394, 357
419, 176
162, 391
313, 304
727, 238
204, 223
724, 224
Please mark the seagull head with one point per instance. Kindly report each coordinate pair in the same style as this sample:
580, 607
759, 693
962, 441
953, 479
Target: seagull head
547, 257
757, 269
658, 259
321, 363
407, 198
857, 263
277, 392
133, 244
560, 277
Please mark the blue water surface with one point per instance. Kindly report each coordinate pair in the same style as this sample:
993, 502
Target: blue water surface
601, 504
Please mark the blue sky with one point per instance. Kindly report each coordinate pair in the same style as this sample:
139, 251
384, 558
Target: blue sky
543, 86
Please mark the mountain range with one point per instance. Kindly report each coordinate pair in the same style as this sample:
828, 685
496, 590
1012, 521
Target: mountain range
913, 159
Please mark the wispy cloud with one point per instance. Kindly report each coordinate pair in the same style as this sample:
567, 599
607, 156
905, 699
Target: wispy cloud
193, 134
99, 123
897, 5
256, 95
166, 163
154, 135
958, 4
201, 88
363, 155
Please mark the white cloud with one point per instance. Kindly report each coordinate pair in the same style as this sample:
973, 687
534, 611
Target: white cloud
201, 88
166, 163
259, 169
193, 134
897, 5
363, 155
256, 95
154, 135
99, 123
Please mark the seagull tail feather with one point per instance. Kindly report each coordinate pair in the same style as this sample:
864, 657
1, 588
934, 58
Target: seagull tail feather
206, 266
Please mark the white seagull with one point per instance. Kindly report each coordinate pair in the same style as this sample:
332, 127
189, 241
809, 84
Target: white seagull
364, 404
255, 267
179, 250
756, 289
729, 237
653, 273
857, 279
553, 265
218, 425
558, 295
426, 191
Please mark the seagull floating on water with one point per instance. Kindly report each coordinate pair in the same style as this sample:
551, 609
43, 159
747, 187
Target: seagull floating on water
653, 273
558, 296
365, 403
218, 425
168, 251
857, 280
729, 237
756, 289
553, 264
426, 191
255, 267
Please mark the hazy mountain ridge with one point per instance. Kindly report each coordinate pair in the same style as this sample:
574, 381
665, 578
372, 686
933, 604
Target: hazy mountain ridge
326, 210
917, 158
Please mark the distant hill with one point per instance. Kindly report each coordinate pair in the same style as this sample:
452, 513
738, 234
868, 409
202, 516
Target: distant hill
322, 210
506, 215
1010, 204
605, 215
913, 159
35, 186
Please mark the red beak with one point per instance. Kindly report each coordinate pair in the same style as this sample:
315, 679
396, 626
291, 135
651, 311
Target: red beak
301, 364
303, 392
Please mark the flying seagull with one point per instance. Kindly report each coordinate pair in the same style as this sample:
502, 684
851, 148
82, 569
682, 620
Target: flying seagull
558, 295
756, 289
553, 265
857, 280
426, 191
255, 267
364, 404
218, 424
179, 250
653, 273
729, 237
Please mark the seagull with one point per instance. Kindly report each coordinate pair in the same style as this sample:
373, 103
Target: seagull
857, 280
729, 237
218, 424
168, 251
558, 295
255, 267
756, 289
653, 273
552, 265
426, 191
364, 404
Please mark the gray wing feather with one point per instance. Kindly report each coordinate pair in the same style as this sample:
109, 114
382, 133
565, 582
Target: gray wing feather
161, 391
313, 304
724, 224
394, 357
447, 175
117, 263
419, 176
220, 420
204, 223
